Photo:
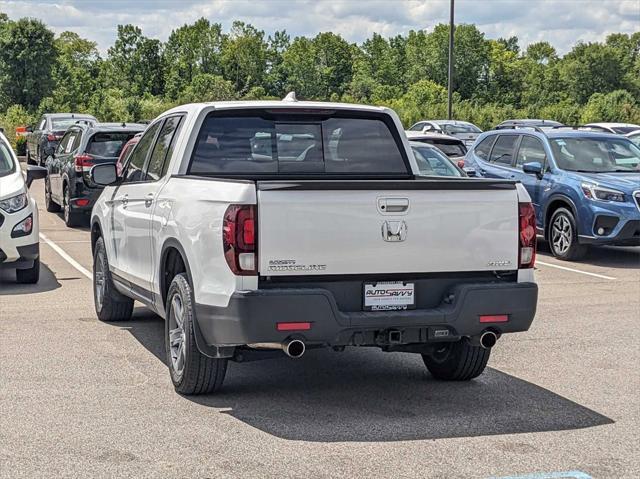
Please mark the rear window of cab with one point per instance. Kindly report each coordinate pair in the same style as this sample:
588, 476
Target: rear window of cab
272, 143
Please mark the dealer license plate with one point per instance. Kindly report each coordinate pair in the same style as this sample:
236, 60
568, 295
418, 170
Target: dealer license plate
389, 295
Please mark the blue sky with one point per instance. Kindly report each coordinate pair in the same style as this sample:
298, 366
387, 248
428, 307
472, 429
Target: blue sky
561, 22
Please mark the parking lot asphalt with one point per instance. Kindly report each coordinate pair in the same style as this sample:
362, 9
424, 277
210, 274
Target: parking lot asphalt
81, 398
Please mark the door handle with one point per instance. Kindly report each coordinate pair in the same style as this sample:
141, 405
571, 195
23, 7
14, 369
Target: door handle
148, 201
124, 200
393, 205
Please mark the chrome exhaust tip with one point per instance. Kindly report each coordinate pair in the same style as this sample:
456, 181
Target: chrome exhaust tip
488, 339
294, 348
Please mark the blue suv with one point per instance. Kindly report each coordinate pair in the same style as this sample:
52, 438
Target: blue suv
585, 186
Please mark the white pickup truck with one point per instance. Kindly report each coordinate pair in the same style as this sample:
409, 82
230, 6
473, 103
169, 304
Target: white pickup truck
257, 227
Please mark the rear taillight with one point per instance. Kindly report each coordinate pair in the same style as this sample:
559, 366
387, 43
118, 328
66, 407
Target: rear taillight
527, 234
83, 162
239, 238
52, 137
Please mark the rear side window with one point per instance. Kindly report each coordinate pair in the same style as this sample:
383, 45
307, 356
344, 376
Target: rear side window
484, 148
138, 156
530, 150
502, 152
163, 149
108, 145
299, 144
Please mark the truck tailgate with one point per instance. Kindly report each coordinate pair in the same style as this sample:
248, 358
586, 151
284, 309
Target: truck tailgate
384, 227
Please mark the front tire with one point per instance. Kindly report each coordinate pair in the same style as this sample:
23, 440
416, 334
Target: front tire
109, 303
191, 371
30, 275
563, 236
459, 361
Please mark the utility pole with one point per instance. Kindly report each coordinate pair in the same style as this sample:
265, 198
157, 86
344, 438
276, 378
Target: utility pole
450, 82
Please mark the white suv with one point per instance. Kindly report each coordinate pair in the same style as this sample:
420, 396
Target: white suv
19, 247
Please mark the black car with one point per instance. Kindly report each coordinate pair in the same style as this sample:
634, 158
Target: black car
48, 132
68, 185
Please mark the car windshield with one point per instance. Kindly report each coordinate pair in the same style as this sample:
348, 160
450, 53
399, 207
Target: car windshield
452, 129
596, 155
63, 123
6, 159
433, 163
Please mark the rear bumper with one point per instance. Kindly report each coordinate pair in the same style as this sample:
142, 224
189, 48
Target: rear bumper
84, 194
251, 317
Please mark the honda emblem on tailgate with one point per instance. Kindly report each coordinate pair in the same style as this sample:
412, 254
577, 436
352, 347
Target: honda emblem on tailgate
394, 231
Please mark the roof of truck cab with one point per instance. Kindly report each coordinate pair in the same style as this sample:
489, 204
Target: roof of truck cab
275, 104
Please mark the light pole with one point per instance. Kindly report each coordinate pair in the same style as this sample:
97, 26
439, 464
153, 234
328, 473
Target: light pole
450, 82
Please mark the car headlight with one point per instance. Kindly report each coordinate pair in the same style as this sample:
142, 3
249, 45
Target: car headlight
15, 203
594, 192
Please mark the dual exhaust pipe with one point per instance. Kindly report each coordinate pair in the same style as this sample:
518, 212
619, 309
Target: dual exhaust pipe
292, 347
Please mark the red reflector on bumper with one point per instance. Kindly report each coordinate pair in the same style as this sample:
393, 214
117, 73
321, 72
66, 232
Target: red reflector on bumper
81, 202
293, 326
494, 318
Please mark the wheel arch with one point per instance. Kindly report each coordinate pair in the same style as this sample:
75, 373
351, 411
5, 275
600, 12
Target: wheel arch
96, 232
555, 202
172, 252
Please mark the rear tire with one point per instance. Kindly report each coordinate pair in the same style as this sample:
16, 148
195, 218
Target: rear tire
51, 206
31, 275
563, 236
71, 218
109, 303
191, 371
459, 361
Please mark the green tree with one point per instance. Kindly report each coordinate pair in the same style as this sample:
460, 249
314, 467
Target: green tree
244, 57
75, 73
590, 68
619, 105
135, 63
208, 87
276, 80
191, 50
428, 57
26, 58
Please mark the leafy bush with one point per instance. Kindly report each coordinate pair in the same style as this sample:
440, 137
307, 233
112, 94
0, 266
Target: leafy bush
21, 146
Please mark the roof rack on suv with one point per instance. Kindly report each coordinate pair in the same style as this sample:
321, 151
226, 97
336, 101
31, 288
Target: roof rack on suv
516, 126
572, 127
85, 122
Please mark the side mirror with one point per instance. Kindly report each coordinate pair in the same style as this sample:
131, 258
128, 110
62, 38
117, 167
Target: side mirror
533, 168
105, 174
49, 151
35, 173
29, 129
471, 172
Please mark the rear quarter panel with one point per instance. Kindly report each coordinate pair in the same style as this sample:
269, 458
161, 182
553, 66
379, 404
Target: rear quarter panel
190, 210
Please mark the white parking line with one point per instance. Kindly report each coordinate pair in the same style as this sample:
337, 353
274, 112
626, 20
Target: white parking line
602, 276
66, 257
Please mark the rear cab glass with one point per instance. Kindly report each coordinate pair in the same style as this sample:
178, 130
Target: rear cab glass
264, 143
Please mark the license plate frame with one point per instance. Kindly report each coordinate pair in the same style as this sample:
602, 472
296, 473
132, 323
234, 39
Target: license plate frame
388, 296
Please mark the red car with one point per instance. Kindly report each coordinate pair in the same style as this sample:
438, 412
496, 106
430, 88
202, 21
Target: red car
126, 151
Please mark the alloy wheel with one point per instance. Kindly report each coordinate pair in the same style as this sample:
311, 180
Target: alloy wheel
561, 234
99, 278
177, 334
